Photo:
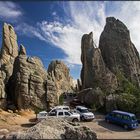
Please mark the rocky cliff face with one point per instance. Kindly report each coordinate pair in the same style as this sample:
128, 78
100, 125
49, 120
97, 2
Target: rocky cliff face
62, 77
9, 52
113, 67
24, 82
94, 72
118, 52
29, 82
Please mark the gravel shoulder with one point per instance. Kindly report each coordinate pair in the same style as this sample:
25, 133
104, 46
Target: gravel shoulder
111, 131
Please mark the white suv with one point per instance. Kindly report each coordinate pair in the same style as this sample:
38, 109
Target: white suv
70, 116
85, 114
43, 114
62, 107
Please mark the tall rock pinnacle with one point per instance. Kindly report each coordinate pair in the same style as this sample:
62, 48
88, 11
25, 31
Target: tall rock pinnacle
94, 72
118, 52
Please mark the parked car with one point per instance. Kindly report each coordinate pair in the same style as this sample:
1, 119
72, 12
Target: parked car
70, 116
62, 107
125, 119
41, 115
85, 114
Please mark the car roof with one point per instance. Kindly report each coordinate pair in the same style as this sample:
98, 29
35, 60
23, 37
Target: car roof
122, 112
62, 111
43, 112
82, 107
60, 106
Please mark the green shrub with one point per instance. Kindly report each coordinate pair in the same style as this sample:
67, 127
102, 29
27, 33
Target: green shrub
129, 95
126, 102
61, 99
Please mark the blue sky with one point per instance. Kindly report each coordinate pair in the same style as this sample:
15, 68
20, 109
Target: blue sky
53, 30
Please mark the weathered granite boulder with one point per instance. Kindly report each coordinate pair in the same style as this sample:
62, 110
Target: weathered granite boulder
118, 52
92, 97
9, 52
22, 50
54, 128
52, 91
29, 82
61, 75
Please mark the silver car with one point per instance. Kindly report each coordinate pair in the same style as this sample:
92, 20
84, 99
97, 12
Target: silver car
70, 116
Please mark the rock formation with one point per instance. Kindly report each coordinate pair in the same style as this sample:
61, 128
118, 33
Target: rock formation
118, 52
24, 82
29, 79
92, 97
54, 128
9, 52
94, 72
60, 73
114, 68
52, 91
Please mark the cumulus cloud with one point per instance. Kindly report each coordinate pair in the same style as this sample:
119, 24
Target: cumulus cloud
29, 31
84, 17
9, 10
67, 36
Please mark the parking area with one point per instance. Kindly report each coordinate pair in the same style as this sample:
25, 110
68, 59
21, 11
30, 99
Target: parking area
111, 131
106, 130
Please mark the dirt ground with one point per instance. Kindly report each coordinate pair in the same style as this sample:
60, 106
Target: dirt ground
14, 122
110, 131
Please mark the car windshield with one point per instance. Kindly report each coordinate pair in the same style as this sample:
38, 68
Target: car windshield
84, 110
66, 108
133, 118
71, 112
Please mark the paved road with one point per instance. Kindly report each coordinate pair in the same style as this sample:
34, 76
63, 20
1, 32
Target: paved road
111, 131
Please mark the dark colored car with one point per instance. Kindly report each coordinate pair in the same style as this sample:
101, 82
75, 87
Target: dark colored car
75, 102
125, 119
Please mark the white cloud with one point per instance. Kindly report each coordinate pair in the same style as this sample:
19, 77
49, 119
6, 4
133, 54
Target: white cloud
9, 10
29, 31
54, 13
85, 17
68, 36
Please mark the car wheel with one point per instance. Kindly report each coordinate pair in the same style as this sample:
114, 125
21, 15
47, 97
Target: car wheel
75, 120
82, 118
125, 126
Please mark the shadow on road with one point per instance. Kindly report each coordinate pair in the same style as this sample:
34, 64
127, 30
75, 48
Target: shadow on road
111, 127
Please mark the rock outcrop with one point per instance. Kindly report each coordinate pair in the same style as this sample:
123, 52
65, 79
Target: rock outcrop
61, 75
9, 52
92, 97
114, 67
29, 82
52, 91
118, 52
24, 82
54, 128
94, 72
